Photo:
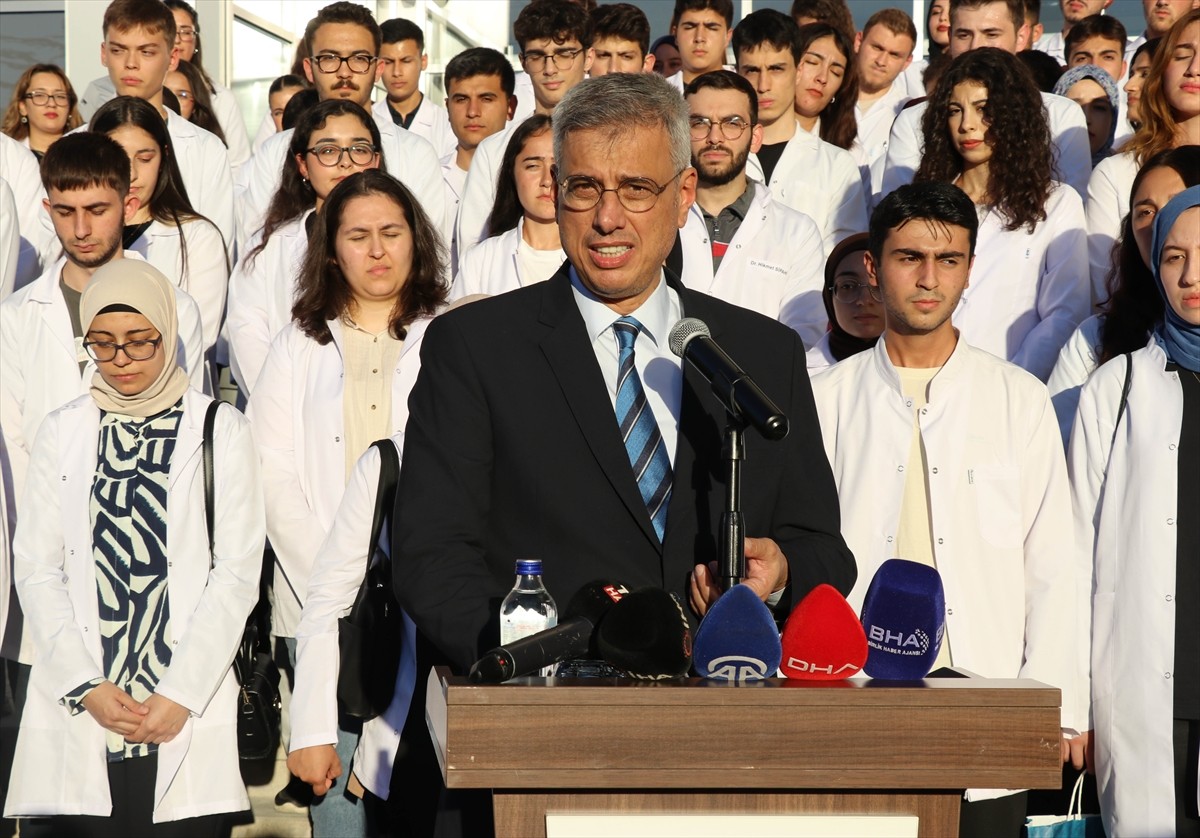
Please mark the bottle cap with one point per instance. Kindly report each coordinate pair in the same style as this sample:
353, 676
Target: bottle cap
529, 567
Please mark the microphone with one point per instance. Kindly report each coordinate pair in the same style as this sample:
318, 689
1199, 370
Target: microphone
647, 635
739, 394
823, 639
571, 638
904, 617
737, 640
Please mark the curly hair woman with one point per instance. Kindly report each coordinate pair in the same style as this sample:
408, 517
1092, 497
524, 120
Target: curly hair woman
986, 131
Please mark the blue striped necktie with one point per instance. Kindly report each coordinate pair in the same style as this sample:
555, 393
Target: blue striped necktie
643, 441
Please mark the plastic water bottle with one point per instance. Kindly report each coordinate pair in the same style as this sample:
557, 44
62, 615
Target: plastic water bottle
528, 608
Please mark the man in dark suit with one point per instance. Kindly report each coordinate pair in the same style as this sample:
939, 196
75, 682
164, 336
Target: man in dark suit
534, 408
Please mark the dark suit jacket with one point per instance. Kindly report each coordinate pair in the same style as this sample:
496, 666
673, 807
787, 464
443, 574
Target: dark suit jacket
512, 451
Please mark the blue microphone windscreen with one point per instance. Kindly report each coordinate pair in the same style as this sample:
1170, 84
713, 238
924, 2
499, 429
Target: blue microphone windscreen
738, 639
904, 617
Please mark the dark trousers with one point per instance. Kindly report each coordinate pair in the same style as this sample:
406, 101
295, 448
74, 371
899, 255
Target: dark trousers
1187, 744
131, 783
999, 818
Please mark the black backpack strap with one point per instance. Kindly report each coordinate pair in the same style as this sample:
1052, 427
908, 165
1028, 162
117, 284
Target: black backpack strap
210, 424
1124, 399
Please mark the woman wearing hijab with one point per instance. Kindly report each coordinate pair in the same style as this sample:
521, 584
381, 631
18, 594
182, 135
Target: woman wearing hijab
130, 722
852, 303
1094, 90
1135, 476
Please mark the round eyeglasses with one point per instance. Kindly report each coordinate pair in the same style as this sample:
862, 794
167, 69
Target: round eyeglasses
849, 292
636, 194
187, 33
40, 98
563, 59
358, 63
103, 351
331, 155
731, 127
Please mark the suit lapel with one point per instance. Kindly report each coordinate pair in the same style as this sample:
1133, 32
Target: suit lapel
573, 363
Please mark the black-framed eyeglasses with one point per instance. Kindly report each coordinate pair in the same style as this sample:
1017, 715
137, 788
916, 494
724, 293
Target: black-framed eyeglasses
41, 98
563, 59
187, 33
849, 292
731, 127
103, 351
358, 63
331, 155
636, 194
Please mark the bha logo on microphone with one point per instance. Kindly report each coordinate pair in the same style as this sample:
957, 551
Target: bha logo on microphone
915, 642
843, 671
737, 668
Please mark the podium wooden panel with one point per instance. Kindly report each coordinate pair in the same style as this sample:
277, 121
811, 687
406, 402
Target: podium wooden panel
776, 746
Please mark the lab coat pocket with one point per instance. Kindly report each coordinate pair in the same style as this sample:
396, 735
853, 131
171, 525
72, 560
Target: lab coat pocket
998, 503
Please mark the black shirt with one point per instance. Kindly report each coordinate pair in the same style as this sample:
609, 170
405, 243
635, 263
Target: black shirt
768, 157
1187, 553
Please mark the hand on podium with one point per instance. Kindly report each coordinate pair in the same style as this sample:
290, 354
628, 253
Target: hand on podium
766, 573
318, 766
1079, 751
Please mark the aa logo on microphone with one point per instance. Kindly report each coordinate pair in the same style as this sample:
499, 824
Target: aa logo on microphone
737, 668
797, 665
898, 642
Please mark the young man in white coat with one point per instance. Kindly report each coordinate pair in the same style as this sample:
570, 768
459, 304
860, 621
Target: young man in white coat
946, 455
1000, 24
401, 59
802, 171
139, 49
555, 40
43, 364
739, 245
343, 42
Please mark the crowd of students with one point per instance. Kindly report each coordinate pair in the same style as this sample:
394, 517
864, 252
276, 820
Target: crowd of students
1050, 242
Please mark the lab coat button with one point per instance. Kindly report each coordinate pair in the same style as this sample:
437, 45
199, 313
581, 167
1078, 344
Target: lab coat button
935, 469
889, 539
1167, 675
1170, 522
940, 541
899, 468
1171, 447
1169, 598
950, 611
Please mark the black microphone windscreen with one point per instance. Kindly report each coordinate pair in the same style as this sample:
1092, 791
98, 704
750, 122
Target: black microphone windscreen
647, 635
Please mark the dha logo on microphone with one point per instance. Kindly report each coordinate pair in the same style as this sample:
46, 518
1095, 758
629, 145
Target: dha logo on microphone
897, 642
798, 665
737, 668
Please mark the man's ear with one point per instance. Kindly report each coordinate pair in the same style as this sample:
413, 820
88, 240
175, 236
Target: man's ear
648, 64
131, 207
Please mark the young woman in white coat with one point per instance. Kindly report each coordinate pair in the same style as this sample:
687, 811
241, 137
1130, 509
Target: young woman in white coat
336, 380
524, 246
1169, 111
130, 723
985, 131
1135, 475
1133, 305
333, 140
166, 230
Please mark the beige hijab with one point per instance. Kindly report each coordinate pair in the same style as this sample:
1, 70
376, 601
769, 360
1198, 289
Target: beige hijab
138, 285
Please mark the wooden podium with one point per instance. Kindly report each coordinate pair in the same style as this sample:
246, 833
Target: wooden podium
777, 746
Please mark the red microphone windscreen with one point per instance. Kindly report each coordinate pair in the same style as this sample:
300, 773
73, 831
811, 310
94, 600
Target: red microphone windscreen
823, 639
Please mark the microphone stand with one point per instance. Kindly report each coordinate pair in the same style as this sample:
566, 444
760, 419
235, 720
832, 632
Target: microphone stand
731, 561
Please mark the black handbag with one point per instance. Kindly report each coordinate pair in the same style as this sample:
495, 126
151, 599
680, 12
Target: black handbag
259, 709
370, 637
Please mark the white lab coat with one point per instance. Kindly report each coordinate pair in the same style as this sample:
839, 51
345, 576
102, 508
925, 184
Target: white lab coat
493, 267
479, 191
10, 240
820, 357
337, 574
455, 180
820, 180
19, 168
39, 360
1028, 291
61, 764
999, 507
1107, 205
406, 157
298, 422
1129, 531
875, 123
261, 293
774, 265
1068, 135
207, 273
1076, 362
432, 124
